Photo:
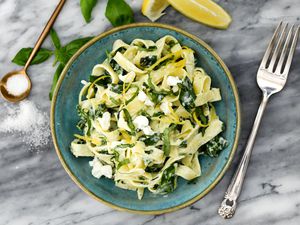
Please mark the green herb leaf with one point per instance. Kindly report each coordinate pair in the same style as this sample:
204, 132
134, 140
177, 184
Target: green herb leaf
87, 8
155, 168
183, 144
150, 139
125, 146
64, 54
22, 56
148, 61
100, 110
123, 163
166, 141
57, 73
129, 121
55, 38
215, 146
187, 96
118, 12
117, 88
168, 181
134, 95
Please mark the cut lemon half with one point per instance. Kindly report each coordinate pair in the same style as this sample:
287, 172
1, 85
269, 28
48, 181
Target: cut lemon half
203, 11
153, 9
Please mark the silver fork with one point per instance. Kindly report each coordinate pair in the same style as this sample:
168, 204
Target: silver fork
271, 78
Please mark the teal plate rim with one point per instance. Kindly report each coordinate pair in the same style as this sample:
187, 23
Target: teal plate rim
238, 117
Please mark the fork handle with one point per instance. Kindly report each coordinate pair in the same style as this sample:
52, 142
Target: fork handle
228, 205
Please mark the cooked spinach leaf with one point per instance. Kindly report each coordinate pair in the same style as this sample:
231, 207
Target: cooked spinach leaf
168, 181
150, 139
187, 96
117, 88
155, 168
215, 146
148, 61
183, 144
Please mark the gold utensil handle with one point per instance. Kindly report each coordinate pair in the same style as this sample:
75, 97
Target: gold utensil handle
45, 32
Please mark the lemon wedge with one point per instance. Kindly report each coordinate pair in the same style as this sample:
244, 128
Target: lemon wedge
153, 9
203, 11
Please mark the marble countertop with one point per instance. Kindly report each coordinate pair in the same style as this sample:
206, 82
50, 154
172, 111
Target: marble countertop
34, 188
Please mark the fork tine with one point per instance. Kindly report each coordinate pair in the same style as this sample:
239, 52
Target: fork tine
284, 51
277, 48
270, 47
291, 53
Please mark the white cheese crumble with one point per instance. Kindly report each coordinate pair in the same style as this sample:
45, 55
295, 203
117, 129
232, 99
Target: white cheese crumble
148, 131
144, 98
142, 123
165, 107
105, 121
100, 170
173, 81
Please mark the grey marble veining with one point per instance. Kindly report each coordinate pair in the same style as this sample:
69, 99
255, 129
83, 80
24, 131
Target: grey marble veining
34, 188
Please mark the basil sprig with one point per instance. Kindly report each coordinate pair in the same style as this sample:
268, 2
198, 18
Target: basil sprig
63, 55
118, 12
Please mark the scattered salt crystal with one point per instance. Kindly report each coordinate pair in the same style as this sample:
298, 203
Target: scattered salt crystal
27, 120
17, 84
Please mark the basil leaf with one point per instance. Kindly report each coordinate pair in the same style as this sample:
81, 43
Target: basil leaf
55, 38
118, 12
87, 8
76, 44
22, 56
166, 142
57, 73
122, 163
129, 121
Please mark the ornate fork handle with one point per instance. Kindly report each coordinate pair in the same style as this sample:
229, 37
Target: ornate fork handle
228, 205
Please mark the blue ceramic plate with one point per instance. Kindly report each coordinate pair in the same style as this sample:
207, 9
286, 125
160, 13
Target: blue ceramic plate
64, 119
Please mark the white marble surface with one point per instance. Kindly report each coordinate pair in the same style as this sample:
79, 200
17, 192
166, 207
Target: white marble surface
34, 189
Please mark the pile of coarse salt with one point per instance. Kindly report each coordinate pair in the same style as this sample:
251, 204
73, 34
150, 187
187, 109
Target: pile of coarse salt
27, 120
